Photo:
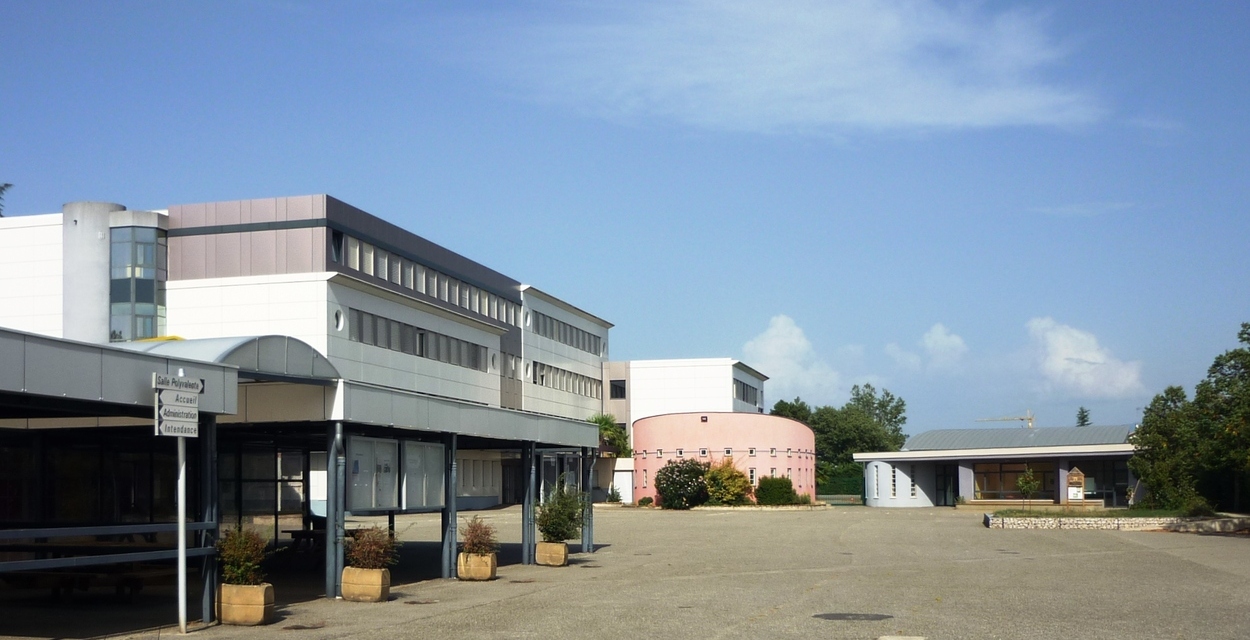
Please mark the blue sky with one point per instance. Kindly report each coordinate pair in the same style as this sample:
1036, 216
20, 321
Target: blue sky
985, 207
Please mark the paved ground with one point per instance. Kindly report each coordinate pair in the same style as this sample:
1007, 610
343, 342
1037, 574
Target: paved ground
933, 573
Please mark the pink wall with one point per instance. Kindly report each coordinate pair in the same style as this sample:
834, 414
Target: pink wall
739, 432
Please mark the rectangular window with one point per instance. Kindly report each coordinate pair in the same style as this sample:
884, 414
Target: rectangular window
366, 328
751, 452
729, 452
681, 453
702, 453
396, 270
353, 325
772, 472
659, 453
617, 389
789, 453
353, 253
751, 475
893, 482
407, 275
788, 472
366, 258
876, 481
913, 480
644, 478
773, 452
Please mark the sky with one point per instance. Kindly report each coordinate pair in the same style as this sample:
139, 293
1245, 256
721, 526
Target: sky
984, 207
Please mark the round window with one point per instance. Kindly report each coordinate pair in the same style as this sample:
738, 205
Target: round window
338, 320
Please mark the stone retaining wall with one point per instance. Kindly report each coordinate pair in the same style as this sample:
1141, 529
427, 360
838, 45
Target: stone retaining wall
1116, 524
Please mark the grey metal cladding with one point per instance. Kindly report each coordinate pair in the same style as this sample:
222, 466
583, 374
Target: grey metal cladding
375, 230
944, 439
12, 362
65, 369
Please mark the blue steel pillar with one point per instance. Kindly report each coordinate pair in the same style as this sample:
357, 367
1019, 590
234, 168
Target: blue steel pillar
336, 466
528, 547
449, 506
208, 513
588, 512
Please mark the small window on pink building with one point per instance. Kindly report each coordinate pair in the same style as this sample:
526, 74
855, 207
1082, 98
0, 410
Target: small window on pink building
729, 452
773, 452
681, 453
751, 452
702, 453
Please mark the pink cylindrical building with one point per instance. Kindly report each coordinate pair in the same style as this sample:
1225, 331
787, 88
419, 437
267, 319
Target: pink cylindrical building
760, 445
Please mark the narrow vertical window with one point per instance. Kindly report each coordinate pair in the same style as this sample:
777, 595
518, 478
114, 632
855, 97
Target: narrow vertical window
893, 482
913, 480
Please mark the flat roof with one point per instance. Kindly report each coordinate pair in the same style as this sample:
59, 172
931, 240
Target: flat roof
951, 439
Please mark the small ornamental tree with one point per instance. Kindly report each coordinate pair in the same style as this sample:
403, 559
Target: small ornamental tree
680, 484
726, 484
775, 491
478, 537
1026, 484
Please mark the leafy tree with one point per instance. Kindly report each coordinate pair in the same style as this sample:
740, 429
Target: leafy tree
1194, 452
889, 411
560, 515
3, 188
776, 491
1082, 417
680, 484
1165, 447
867, 422
612, 433
797, 410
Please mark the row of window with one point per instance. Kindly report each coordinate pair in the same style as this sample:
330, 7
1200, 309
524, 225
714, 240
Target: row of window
137, 274
565, 333
746, 393
876, 488
473, 475
681, 453
751, 475
559, 379
375, 330
370, 260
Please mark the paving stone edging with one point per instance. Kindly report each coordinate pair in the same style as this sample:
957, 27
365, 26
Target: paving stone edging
1187, 525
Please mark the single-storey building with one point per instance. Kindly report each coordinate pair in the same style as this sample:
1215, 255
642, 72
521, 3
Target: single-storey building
939, 468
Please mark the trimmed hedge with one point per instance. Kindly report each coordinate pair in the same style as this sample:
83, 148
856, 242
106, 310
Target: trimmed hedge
775, 491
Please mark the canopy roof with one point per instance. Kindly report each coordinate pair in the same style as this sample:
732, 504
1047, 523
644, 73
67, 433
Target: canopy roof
272, 357
946, 439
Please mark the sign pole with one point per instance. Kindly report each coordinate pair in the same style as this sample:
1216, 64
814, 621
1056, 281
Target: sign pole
182, 534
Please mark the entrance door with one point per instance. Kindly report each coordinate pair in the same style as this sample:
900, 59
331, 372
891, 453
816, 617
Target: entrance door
947, 485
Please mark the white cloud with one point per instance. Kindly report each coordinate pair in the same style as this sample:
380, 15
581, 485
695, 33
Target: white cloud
944, 348
784, 354
1072, 361
803, 66
905, 359
943, 351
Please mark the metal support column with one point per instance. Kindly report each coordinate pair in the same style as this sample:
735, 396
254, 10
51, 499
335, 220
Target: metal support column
588, 511
449, 506
208, 514
336, 466
528, 548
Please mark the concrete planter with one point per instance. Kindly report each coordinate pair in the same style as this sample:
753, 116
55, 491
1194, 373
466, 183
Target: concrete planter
245, 604
366, 585
552, 554
476, 566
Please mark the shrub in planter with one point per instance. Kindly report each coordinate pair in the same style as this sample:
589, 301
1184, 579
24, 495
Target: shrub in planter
369, 552
614, 496
680, 484
477, 551
559, 519
726, 484
775, 491
244, 597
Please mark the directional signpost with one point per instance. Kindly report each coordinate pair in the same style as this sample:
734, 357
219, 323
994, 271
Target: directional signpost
178, 414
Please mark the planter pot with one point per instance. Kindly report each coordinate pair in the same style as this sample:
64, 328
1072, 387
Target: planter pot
245, 604
366, 585
552, 554
475, 566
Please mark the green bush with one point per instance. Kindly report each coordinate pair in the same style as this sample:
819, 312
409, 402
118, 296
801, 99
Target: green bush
1198, 507
614, 496
241, 552
775, 491
645, 502
726, 484
680, 484
560, 515
372, 548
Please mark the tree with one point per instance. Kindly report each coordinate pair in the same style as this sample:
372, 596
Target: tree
887, 410
1027, 484
680, 484
1082, 417
797, 410
612, 434
3, 188
1165, 447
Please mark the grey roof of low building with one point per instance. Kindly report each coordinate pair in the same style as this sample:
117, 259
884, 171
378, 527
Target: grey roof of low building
942, 439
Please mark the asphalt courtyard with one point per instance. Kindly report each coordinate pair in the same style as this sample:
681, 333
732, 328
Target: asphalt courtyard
844, 572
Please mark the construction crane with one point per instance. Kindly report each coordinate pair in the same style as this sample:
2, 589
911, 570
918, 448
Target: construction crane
1027, 418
